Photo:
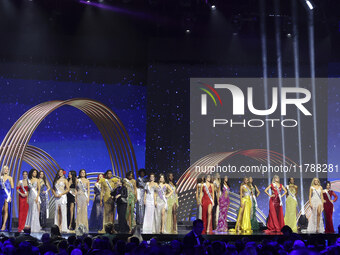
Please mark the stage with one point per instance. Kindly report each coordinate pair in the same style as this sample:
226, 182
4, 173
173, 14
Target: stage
185, 227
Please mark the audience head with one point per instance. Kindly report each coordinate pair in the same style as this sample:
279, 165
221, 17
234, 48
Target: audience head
286, 230
45, 238
109, 228
76, 252
27, 230
197, 226
55, 230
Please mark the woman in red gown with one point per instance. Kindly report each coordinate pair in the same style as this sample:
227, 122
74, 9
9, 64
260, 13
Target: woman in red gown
22, 189
330, 197
275, 218
207, 202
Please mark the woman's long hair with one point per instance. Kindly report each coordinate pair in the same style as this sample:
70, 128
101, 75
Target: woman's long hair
244, 178
315, 178
79, 174
107, 171
289, 180
253, 184
128, 174
44, 178
168, 179
159, 179
2, 170
222, 183
98, 177
274, 177
22, 173
56, 178
30, 174
73, 177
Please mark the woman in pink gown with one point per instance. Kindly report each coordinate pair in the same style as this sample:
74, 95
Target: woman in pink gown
224, 201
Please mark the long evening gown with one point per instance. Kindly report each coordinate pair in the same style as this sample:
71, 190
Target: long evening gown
61, 202
275, 218
130, 203
71, 199
148, 224
44, 204
254, 223
199, 208
32, 219
316, 201
5, 193
291, 204
243, 218
216, 206
97, 212
121, 202
328, 209
171, 227
82, 217
107, 186
140, 200
206, 201
224, 202
161, 204
23, 206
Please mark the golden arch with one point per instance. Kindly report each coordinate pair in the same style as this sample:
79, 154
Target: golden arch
14, 146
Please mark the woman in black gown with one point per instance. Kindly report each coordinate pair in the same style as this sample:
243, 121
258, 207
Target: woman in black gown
71, 200
120, 195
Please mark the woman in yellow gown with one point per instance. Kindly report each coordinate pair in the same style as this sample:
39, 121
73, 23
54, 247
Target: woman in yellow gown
243, 222
291, 204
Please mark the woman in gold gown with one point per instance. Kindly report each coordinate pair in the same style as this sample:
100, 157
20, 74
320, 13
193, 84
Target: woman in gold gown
243, 222
171, 217
291, 204
82, 199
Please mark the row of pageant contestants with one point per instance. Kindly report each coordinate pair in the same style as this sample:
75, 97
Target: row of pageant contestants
213, 202
155, 203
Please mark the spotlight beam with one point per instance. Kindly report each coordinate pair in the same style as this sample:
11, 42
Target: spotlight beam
312, 74
297, 84
265, 77
279, 76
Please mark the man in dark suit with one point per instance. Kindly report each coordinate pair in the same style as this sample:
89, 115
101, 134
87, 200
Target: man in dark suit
194, 237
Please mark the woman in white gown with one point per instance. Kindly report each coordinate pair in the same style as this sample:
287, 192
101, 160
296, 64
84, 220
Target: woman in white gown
60, 189
149, 201
162, 192
315, 222
33, 200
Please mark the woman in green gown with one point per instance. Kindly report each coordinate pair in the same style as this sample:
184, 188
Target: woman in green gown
254, 194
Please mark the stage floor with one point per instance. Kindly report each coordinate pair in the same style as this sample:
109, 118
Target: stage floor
229, 237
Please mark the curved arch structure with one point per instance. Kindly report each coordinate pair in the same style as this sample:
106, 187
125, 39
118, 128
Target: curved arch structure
118, 143
14, 148
187, 182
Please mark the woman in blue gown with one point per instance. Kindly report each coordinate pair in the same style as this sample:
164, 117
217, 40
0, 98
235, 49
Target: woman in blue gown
97, 212
6, 188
